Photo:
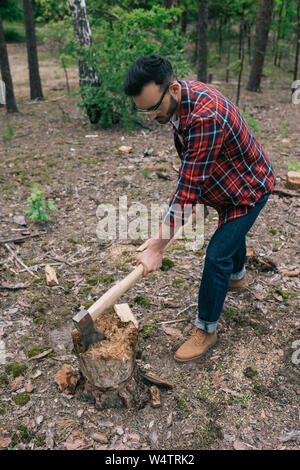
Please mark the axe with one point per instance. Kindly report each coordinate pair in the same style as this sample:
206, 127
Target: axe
84, 320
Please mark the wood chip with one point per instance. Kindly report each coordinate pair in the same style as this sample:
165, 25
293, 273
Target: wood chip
51, 278
152, 378
125, 149
155, 396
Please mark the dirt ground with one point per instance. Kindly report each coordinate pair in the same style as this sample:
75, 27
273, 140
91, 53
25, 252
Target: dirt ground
245, 393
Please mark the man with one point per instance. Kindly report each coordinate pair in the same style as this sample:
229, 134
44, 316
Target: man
222, 166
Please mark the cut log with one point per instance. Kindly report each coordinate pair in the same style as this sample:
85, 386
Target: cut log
108, 368
293, 180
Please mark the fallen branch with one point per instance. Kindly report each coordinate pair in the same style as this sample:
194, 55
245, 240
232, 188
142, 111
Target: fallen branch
20, 239
172, 321
19, 260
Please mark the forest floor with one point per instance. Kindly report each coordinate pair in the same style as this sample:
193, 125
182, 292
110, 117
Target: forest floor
245, 393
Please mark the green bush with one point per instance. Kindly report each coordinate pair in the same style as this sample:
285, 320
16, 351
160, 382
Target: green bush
116, 46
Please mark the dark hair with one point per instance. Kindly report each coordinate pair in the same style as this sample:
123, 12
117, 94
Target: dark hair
146, 69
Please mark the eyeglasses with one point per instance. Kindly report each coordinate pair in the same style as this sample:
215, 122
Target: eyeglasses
156, 106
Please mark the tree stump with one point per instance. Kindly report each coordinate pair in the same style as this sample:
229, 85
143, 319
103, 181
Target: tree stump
109, 377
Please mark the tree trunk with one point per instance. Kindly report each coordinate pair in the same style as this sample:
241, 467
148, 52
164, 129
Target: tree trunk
278, 32
202, 40
297, 48
260, 45
83, 33
109, 376
298, 43
33, 64
9, 98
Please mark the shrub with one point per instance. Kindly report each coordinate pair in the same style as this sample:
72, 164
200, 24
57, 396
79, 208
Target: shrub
117, 45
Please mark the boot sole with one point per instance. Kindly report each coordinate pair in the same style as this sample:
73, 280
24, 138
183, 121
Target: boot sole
196, 357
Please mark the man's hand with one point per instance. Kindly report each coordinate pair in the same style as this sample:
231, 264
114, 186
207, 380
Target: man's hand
151, 259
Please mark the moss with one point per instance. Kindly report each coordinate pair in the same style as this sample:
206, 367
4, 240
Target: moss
149, 329
36, 350
88, 303
4, 379
21, 399
199, 252
23, 435
40, 441
106, 278
230, 313
3, 408
259, 388
16, 369
177, 282
167, 264
181, 404
142, 300
273, 231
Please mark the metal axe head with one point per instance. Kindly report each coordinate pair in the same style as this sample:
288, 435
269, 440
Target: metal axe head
88, 333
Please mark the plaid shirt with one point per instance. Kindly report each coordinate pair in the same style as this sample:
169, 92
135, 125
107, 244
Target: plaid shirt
222, 163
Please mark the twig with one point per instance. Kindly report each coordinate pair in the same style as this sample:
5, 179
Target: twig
186, 308
173, 321
19, 260
19, 239
41, 265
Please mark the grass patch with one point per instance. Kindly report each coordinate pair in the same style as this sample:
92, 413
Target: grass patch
167, 264
21, 399
16, 369
142, 300
36, 350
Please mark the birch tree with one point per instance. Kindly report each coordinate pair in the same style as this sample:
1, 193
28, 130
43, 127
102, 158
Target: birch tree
87, 74
10, 101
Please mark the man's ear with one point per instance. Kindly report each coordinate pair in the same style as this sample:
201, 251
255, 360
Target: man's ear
175, 90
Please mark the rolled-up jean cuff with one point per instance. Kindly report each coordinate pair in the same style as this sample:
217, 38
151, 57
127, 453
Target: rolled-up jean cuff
239, 275
208, 326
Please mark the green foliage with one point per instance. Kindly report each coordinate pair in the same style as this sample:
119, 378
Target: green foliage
11, 10
294, 165
252, 123
47, 10
38, 209
136, 33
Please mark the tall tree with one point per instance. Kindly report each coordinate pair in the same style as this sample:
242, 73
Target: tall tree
33, 63
264, 15
11, 106
83, 33
202, 40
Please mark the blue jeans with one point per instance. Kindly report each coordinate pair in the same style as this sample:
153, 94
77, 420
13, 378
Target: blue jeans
225, 259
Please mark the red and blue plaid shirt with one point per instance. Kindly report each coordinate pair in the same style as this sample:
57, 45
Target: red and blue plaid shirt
222, 163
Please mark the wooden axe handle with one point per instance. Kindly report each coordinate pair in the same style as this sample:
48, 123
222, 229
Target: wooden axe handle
109, 298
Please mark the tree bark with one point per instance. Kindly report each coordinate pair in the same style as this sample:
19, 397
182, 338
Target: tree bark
297, 48
261, 39
202, 40
33, 63
278, 32
83, 33
9, 98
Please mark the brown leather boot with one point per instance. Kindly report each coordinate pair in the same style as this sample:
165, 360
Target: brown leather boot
196, 345
238, 284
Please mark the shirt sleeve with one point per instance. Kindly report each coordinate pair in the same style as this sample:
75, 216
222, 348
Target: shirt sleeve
202, 144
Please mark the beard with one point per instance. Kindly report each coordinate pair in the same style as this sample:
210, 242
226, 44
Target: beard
172, 108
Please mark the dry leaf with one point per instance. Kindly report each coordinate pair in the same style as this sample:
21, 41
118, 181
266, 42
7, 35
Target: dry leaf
218, 378
175, 332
